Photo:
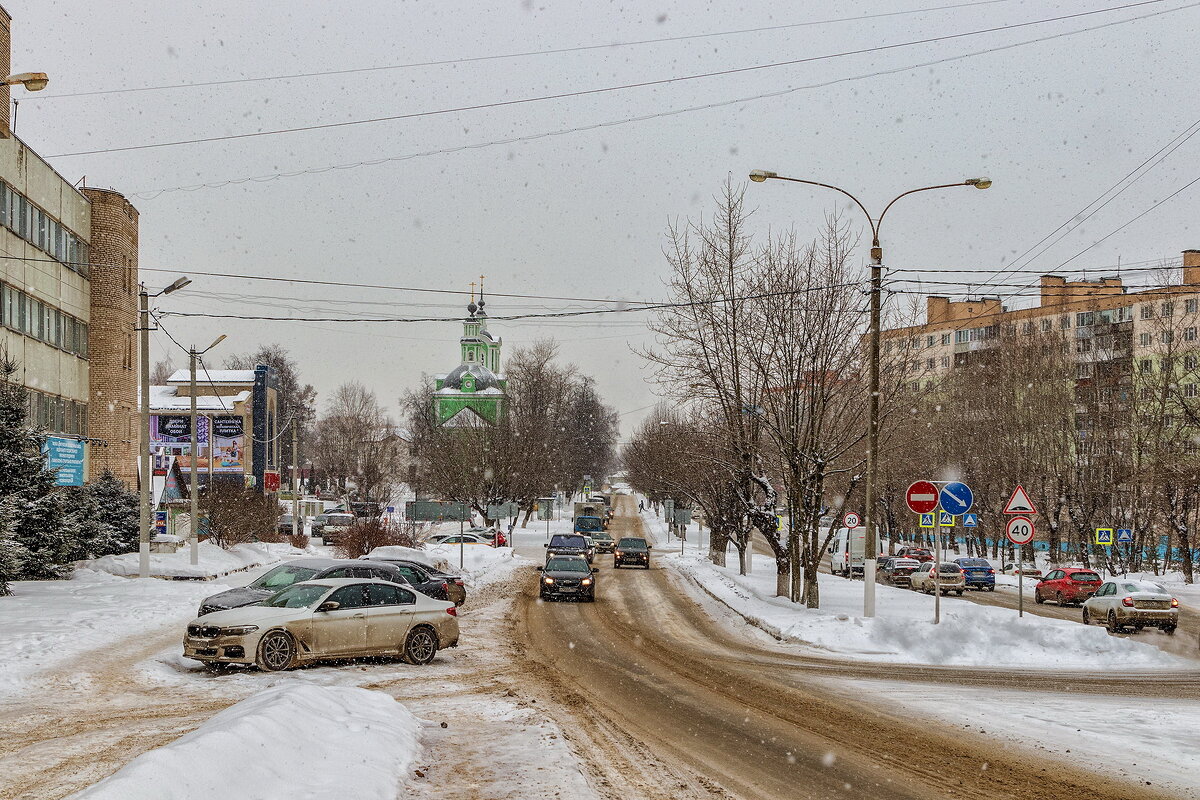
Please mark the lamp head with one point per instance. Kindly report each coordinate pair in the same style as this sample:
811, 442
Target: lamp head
978, 183
32, 81
760, 175
178, 284
216, 342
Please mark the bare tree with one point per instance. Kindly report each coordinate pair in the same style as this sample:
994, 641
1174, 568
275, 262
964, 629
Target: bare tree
358, 444
162, 372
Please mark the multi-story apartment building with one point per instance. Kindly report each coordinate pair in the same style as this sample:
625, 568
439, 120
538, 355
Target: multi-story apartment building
1116, 333
68, 277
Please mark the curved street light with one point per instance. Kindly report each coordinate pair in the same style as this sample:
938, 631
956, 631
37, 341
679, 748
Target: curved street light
871, 547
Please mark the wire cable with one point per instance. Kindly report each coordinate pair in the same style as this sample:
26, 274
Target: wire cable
604, 89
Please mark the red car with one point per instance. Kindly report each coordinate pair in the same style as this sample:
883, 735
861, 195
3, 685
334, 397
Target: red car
1067, 586
919, 553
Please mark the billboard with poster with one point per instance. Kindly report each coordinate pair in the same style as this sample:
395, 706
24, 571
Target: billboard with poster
229, 443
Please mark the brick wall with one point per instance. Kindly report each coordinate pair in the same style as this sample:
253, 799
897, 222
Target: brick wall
5, 69
113, 345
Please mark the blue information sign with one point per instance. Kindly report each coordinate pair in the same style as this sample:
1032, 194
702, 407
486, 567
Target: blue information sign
956, 498
1124, 535
66, 456
970, 520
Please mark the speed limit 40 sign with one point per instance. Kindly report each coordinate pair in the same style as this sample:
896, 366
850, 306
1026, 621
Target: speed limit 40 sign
1019, 530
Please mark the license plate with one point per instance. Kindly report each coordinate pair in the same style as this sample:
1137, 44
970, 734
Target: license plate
568, 588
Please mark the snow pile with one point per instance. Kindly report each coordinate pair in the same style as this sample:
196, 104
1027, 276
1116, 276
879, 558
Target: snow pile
481, 565
296, 740
215, 562
969, 634
46, 623
411, 554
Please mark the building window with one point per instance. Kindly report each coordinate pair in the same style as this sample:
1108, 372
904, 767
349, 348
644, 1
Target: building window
1167, 337
1191, 306
1064, 321
1146, 339
929, 341
41, 230
1085, 318
1147, 311
916, 343
887, 347
1189, 390
1026, 328
1168, 309
930, 363
945, 362
916, 366
1047, 326
1145, 366
1083, 371
1190, 362
945, 338
916, 386
1083, 346
1189, 334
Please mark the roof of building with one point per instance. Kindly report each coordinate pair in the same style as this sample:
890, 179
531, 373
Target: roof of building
223, 376
465, 418
484, 377
164, 398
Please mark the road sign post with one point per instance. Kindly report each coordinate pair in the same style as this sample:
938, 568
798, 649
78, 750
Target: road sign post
1020, 531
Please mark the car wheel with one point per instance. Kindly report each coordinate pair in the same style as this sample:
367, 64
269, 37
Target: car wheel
992, 588
1113, 625
1037, 597
959, 592
276, 652
647, 565
1169, 630
1087, 618
420, 646
1059, 600
591, 598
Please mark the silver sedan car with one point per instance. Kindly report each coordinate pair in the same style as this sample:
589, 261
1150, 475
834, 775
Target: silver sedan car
1122, 604
324, 619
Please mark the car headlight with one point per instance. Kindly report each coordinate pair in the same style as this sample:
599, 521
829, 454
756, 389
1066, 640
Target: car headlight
548, 579
238, 630
616, 552
586, 581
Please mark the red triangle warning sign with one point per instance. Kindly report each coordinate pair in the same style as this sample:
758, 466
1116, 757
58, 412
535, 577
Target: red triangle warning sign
1020, 503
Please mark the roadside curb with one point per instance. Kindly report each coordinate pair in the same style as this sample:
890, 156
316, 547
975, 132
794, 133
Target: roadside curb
762, 625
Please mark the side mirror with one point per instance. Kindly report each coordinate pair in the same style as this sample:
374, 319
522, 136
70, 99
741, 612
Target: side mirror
329, 605
648, 547
595, 570
545, 545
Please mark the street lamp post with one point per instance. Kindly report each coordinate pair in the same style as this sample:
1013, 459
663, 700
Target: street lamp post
871, 546
147, 475
194, 519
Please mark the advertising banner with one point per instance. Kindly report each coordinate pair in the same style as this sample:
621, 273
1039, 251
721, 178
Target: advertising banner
229, 443
66, 456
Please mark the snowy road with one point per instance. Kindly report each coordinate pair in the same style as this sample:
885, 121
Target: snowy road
659, 688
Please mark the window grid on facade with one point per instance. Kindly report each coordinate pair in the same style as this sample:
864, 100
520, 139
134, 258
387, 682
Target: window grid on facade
41, 230
24, 314
1191, 306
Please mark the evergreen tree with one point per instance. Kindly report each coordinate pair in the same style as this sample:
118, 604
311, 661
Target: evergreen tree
36, 530
105, 516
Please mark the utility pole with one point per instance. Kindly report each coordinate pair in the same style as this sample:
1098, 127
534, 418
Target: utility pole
295, 485
194, 535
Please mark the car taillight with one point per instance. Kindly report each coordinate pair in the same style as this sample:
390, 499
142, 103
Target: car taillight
1127, 601
991, 572
452, 611
1174, 602
445, 587
459, 582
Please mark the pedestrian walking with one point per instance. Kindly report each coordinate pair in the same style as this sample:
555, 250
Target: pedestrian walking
641, 505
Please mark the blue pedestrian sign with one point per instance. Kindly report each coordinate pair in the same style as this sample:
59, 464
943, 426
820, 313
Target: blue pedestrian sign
927, 520
956, 498
1124, 535
970, 520
946, 519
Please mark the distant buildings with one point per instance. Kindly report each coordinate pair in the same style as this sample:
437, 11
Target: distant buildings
68, 278
472, 393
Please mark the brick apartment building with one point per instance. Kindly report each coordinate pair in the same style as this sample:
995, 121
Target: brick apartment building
68, 278
1116, 333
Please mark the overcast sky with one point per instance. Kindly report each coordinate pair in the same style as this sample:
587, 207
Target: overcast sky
583, 214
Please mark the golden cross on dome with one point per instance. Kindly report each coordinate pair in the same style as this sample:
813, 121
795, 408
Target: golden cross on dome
473, 291
480, 287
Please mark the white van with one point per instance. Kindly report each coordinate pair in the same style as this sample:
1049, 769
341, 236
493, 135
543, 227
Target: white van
846, 551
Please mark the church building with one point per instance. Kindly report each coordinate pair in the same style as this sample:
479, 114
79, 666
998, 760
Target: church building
473, 392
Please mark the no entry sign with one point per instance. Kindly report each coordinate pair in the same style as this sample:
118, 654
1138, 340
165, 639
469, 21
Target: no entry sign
922, 497
1019, 530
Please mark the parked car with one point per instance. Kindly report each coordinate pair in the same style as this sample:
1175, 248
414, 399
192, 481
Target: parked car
979, 573
568, 576
1028, 570
457, 538
323, 619
291, 572
897, 570
921, 554
427, 580
284, 526
603, 541
568, 544
1071, 585
329, 526
631, 550
949, 578
1121, 604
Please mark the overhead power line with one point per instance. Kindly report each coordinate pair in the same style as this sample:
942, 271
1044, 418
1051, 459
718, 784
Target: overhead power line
503, 56
608, 89
150, 194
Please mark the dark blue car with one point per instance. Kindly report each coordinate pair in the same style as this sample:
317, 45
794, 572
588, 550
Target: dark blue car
979, 573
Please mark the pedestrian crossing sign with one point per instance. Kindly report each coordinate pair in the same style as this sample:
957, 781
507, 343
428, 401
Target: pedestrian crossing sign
1124, 535
927, 520
970, 520
946, 519
1104, 536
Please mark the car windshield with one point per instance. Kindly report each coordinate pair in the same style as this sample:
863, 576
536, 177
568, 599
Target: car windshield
568, 541
1152, 588
632, 544
1084, 576
973, 562
952, 569
282, 577
918, 552
602, 535
301, 595
567, 565
589, 524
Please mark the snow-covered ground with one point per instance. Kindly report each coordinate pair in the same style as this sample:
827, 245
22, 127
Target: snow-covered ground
1149, 740
903, 630
213, 561
295, 740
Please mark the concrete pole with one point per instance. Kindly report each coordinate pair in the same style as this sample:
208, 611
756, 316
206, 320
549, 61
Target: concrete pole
295, 485
194, 518
147, 476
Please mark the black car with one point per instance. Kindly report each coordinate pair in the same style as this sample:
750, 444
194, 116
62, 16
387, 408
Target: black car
304, 569
897, 571
284, 526
631, 551
568, 576
568, 544
427, 580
